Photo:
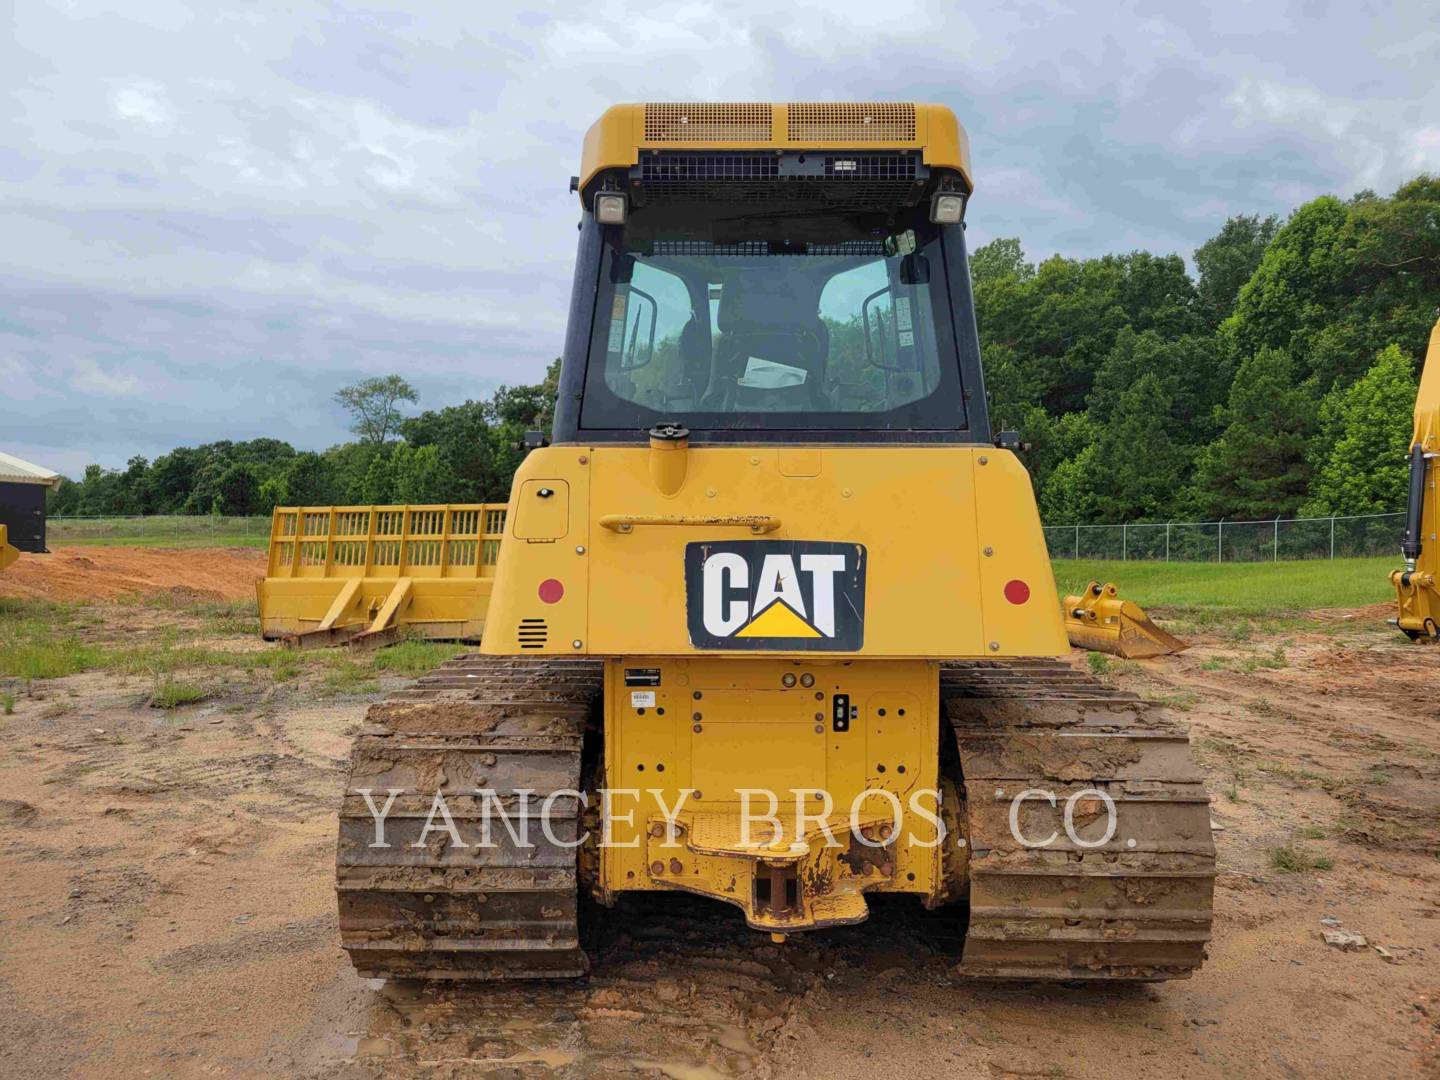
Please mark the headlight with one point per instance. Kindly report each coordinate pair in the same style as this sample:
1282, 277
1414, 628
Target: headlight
610, 208
947, 208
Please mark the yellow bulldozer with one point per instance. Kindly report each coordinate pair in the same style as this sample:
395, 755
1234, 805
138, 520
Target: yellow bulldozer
769, 618
1416, 589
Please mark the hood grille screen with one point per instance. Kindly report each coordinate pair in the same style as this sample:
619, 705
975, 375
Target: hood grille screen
707, 122
851, 122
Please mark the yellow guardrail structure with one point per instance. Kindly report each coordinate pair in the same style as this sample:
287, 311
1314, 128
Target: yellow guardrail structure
8, 554
362, 575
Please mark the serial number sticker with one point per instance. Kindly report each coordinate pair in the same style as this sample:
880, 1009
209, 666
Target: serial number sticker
618, 308
642, 699
902, 314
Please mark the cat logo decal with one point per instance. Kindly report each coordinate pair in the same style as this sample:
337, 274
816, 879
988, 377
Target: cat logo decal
776, 594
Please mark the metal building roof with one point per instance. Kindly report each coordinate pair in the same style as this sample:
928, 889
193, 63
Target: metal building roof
15, 471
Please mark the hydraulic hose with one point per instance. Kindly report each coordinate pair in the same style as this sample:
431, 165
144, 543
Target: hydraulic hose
1411, 547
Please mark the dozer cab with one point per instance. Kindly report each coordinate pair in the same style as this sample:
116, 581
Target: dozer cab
772, 620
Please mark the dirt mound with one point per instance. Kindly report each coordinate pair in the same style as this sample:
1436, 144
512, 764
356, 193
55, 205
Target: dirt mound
104, 573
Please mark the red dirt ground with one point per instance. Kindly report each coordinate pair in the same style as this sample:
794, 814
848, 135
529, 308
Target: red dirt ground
106, 573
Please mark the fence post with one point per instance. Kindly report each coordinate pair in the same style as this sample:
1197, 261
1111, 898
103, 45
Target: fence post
1167, 541
1220, 543
1332, 537
1077, 542
1124, 542
1277, 539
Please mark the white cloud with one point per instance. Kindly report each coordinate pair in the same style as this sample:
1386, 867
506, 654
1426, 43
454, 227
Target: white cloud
89, 377
1426, 149
146, 104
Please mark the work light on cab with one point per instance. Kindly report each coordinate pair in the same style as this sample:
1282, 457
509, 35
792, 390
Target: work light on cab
610, 208
947, 208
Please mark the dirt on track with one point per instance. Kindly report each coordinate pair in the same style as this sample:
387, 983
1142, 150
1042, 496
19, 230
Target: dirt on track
168, 906
85, 573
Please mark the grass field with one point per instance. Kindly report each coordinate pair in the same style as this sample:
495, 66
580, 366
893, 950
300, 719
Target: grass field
1239, 588
44, 640
163, 531
206, 540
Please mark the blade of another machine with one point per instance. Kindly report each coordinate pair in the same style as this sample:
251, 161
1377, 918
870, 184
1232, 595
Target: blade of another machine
1100, 621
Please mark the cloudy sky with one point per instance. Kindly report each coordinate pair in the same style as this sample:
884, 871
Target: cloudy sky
212, 214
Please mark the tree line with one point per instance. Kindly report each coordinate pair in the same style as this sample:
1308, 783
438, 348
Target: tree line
1278, 379
460, 453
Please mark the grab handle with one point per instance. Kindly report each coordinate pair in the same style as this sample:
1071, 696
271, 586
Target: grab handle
756, 523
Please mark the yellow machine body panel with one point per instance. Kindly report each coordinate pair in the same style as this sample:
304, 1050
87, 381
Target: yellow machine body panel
624, 132
8, 554
1417, 590
696, 747
1427, 403
946, 554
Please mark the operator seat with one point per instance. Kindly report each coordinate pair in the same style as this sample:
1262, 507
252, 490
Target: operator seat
763, 319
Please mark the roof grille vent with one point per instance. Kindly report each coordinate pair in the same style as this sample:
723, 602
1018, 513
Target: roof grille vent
850, 122
708, 121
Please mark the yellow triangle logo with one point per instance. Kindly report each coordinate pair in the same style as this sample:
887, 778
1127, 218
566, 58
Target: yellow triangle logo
778, 621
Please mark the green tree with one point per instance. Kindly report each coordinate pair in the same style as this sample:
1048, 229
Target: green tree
308, 479
237, 492
1340, 281
1366, 469
1298, 286
1141, 458
374, 406
421, 475
1228, 260
379, 484
1258, 467
1069, 495
64, 499
999, 259
172, 476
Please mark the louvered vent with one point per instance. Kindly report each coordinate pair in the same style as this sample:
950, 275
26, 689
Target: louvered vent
533, 633
709, 122
851, 122
843, 181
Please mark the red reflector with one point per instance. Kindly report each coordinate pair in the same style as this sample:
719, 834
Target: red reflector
1017, 592
551, 591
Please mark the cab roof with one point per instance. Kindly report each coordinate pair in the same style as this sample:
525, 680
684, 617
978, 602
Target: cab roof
623, 132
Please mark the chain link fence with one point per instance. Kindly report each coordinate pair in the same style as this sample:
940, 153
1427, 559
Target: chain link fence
158, 529
1173, 541
1231, 541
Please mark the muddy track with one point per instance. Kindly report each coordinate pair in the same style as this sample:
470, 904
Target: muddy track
1132, 902
442, 910
1132, 905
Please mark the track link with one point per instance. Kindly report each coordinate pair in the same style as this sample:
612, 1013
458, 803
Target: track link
1137, 907
446, 911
